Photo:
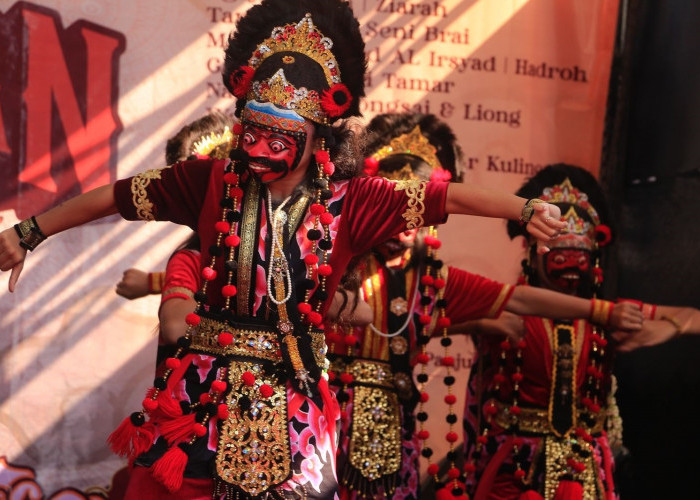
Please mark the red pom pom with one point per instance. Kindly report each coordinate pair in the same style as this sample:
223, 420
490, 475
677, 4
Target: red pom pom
451, 437
326, 218
222, 226
218, 386
603, 235
225, 338
423, 434
351, 340
427, 280
172, 363
517, 377
208, 273
517, 441
336, 100
304, 308
371, 166
222, 411
514, 410
315, 318
236, 192
329, 168
439, 283
447, 361
325, 270
424, 319
346, 378
521, 344
232, 240
450, 399
332, 376
505, 345
192, 319
499, 378
240, 81
482, 439
228, 290
317, 208
322, 156
490, 409
237, 128
443, 322
519, 474
266, 391
248, 378
150, 404
453, 472
204, 398
441, 175
199, 430
432, 469
424, 397
423, 358
230, 178
469, 467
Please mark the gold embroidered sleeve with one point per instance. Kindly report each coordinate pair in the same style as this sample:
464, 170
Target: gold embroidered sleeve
415, 192
139, 193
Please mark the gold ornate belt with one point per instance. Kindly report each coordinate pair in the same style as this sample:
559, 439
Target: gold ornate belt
536, 420
366, 371
245, 341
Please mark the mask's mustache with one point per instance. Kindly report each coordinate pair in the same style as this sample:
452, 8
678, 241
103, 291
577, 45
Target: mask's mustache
561, 272
274, 165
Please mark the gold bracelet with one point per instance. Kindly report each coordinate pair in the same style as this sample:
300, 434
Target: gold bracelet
675, 323
601, 311
529, 210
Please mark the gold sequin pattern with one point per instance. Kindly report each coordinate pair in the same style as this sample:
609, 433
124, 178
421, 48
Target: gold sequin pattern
366, 371
415, 192
253, 452
557, 451
375, 445
536, 420
139, 193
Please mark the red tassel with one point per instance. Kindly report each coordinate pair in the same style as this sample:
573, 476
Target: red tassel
170, 468
530, 495
168, 406
569, 490
129, 440
177, 429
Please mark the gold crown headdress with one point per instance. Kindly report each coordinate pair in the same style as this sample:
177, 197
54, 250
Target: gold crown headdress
300, 38
413, 143
215, 145
579, 233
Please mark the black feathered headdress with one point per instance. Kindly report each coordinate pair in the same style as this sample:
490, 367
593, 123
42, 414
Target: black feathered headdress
304, 55
421, 141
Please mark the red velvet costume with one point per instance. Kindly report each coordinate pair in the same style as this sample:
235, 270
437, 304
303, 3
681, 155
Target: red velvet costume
386, 439
189, 193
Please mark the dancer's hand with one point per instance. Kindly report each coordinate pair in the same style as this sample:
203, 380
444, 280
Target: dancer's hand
12, 256
134, 284
545, 225
626, 316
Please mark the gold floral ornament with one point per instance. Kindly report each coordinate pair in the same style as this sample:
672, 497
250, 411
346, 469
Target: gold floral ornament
579, 233
215, 145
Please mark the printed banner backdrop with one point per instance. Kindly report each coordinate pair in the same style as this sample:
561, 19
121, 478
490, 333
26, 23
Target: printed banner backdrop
90, 90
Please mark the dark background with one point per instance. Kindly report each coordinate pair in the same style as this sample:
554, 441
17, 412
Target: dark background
651, 172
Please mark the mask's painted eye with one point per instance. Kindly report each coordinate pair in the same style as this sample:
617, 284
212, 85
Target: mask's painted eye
278, 146
559, 259
248, 138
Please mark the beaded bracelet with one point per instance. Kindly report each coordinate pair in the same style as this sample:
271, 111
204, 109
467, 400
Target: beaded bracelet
30, 235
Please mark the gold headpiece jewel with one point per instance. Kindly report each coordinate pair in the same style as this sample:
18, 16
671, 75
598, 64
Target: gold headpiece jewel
214, 145
567, 193
413, 143
579, 232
